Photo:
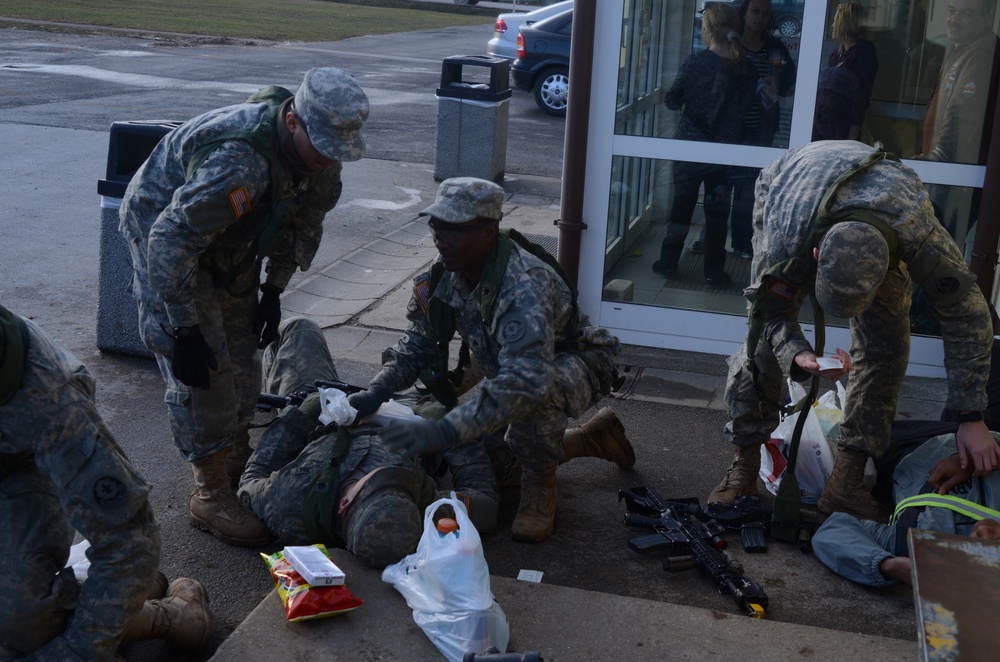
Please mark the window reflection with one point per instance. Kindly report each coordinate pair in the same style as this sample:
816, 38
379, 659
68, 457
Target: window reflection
642, 190
845, 86
659, 37
935, 85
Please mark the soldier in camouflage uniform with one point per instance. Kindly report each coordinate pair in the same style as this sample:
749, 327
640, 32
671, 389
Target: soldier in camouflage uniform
517, 315
61, 470
377, 497
856, 279
217, 196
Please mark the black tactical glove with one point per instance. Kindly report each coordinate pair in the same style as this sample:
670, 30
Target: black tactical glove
420, 437
267, 316
192, 357
367, 402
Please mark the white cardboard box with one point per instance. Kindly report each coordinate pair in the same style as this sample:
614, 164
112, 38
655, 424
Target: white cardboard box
314, 566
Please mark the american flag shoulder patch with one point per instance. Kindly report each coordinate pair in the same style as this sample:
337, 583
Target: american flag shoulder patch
239, 202
422, 291
782, 289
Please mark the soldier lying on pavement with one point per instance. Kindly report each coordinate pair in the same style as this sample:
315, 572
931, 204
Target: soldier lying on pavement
61, 470
516, 313
921, 460
852, 226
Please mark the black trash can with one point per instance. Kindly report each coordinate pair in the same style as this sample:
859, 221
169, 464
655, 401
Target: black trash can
117, 317
473, 112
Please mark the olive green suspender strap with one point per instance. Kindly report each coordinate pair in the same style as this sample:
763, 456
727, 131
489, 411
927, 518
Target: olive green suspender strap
264, 139
438, 380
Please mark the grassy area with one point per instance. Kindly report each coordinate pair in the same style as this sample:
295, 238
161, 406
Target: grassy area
287, 20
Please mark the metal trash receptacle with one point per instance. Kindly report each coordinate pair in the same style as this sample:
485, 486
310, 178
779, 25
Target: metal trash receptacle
472, 117
129, 145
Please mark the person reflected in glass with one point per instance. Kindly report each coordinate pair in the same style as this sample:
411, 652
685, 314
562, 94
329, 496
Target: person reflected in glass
845, 87
713, 90
965, 93
775, 79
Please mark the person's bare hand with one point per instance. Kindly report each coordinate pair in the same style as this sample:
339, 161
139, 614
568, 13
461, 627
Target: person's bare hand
986, 529
808, 362
976, 447
947, 473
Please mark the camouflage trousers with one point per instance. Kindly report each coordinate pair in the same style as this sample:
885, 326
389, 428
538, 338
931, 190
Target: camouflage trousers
39, 592
880, 350
289, 456
536, 439
203, 421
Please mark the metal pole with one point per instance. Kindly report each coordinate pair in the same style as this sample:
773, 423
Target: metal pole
984, 246
581, 66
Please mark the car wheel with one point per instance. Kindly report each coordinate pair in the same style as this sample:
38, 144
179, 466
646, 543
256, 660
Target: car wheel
552, 91
466, 2
788, 27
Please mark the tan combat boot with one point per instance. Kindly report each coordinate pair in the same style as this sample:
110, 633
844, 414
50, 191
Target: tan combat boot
845, 491
239, 455
536, 517
215, 508
506, 468
741, 476
602, 436
182, 618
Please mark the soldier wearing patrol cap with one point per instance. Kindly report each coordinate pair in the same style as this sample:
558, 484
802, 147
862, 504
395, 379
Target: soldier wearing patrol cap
223, 195
516, 315
883, 238
62, 471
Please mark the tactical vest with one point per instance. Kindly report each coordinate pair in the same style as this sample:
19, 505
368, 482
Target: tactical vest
323, 498
264, 139
438, 379
782, 285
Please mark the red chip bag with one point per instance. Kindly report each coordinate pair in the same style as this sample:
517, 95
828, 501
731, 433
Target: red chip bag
303, 601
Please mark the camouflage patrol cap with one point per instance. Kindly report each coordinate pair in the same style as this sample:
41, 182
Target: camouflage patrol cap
463, 199
853, 259
333, 108
384, 523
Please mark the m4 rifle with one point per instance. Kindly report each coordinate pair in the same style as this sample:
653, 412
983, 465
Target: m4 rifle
689, 544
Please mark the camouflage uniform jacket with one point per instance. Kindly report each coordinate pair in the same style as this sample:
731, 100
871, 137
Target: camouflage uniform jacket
51, 423
532, 320
212, 219
788, 194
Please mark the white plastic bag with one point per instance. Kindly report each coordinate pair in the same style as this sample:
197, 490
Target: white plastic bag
446, 583
814, 463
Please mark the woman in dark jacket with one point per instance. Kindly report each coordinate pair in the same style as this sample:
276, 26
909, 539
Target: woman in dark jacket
775, 78
713, 90
845, 88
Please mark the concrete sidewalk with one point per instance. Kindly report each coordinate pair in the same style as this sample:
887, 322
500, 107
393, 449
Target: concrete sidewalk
563, 624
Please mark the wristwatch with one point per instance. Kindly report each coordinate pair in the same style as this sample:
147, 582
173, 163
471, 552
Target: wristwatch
969, 417
186, 332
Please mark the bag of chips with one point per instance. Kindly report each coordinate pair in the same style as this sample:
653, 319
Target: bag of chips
303, 601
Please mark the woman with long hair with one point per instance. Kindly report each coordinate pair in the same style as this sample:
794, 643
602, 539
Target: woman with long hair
845, 88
